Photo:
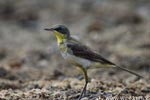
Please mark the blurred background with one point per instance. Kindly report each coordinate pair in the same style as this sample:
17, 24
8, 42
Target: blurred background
118, 29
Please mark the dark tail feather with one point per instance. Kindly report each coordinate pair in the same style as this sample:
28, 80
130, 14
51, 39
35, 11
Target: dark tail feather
139, 76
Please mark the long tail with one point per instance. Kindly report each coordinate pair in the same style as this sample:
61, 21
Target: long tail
139, 76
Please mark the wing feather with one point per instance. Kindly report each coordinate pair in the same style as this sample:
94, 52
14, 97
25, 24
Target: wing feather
86, 53
82, 51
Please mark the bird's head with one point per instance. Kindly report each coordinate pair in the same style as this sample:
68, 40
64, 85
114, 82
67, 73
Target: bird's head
60, 31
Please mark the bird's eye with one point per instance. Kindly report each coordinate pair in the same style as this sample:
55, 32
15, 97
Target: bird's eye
62, 30
59, 29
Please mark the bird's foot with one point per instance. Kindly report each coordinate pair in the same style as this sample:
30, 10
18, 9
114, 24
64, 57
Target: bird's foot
83, 93
81, 96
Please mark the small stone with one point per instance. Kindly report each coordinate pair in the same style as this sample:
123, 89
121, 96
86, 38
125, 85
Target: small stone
146, 90
84, 98
15, 62
3, 72
57, 94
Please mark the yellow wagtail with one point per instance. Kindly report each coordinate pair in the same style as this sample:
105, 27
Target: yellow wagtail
80, 55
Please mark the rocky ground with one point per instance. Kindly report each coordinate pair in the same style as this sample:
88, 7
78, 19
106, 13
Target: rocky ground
31, 67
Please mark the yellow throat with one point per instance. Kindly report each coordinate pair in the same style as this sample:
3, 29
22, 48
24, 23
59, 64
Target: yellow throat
59, 37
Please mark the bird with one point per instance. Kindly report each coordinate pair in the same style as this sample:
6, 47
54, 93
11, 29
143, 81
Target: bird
80, 55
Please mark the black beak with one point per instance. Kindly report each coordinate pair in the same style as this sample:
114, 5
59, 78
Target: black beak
49, 29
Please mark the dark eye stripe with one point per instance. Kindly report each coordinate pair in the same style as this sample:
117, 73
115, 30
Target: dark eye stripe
63, 30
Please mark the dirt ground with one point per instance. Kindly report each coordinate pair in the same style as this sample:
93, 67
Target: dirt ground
31, 67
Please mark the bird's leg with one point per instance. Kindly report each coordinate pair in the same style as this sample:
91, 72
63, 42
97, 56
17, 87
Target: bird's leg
83, 93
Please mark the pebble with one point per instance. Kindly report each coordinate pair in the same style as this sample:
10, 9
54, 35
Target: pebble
85, 98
